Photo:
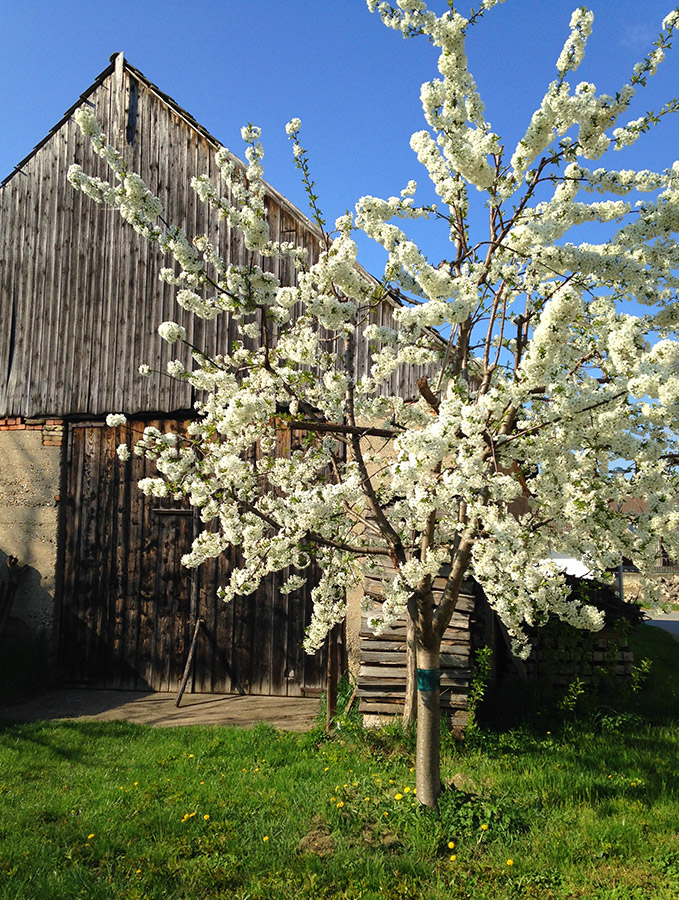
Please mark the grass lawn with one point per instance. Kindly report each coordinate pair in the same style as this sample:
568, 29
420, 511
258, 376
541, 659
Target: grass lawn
583, 809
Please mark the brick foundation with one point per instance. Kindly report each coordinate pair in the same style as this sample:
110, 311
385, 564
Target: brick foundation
52, 429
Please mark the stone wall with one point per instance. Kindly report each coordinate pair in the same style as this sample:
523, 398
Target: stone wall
30, 467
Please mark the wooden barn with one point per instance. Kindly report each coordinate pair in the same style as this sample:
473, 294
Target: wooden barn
80, 302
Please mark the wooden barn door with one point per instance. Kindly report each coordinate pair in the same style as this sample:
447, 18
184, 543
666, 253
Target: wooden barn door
129, 607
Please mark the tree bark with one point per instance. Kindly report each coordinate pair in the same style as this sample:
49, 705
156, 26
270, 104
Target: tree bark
410, 706
428, 754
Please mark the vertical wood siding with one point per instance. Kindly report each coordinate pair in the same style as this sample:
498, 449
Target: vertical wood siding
80, 299
129, 607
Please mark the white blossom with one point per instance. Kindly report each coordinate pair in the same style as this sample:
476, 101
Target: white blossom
172, 332
113, 420
529, 374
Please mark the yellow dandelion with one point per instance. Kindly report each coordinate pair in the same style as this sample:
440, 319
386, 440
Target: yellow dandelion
453, 857
242, 770
340, 804
256, 768
138, 872
406, 790
366, 799
398, 796
355, 783
136, 783
333, 799
265, 838
89, 837
206, 816
385, 814
510, 862
484, 827
191, 756
326, 768
451, 845
391, 781
414, 790
412, 769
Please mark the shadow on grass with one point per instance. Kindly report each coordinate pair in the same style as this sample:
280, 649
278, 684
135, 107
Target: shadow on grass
65, 739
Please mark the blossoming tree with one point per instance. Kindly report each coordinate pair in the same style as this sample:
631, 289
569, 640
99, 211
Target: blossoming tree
550, 363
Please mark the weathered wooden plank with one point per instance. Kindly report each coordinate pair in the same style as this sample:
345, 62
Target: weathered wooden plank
458, 628
448, 660
382, 674
394, 706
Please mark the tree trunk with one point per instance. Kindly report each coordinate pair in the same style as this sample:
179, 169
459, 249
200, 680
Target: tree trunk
410, 707
428, 755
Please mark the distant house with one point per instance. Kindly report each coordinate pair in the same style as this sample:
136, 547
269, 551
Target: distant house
80, 302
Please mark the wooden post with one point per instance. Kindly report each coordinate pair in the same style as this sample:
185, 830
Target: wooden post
189, 662
332, 678
9, 589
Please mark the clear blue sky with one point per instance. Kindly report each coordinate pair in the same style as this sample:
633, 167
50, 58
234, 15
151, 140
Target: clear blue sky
354, 84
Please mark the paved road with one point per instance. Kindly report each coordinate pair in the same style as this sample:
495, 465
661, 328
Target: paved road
668, 622
287, 713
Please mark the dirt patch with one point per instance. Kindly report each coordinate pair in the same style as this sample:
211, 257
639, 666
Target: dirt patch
317, 841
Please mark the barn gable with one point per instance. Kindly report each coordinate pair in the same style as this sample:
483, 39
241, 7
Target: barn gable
79, 290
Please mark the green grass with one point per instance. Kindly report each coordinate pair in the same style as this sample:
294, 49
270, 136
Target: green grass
585, 809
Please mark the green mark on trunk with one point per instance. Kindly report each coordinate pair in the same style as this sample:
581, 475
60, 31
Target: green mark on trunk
428, 680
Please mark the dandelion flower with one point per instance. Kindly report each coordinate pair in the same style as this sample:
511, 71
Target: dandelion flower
406, 790
191, 756
510, 862
484, 827
206, 816
265, 838
453, 857
451, 845
340, 804
89, 837
326, 768
398, 796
